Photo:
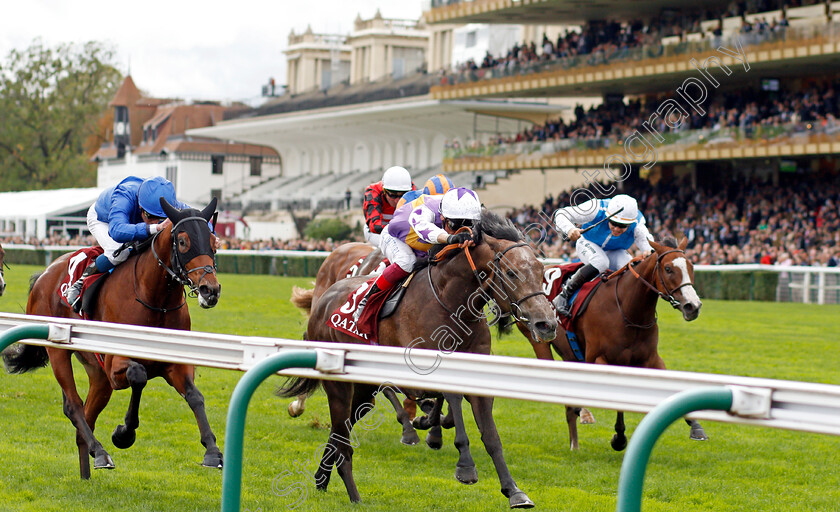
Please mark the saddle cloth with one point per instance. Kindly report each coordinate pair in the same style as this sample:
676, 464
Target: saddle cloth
366, 329
354, 270
78, 262
553, 279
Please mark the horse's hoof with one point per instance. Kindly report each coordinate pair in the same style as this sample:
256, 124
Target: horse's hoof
586, 417
520, 500
212, 460
447, 423
103, 461
618, 443
466, 476
434, 442
294, 412
698, 435
123, 437
410, 438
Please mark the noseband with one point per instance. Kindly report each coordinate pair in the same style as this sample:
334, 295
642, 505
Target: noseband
181, 275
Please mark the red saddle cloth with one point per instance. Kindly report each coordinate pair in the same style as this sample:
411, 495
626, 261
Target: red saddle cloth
79, 261
553, 279
367, 328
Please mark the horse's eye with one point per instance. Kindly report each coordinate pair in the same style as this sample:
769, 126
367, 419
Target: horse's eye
668, 270
511, 274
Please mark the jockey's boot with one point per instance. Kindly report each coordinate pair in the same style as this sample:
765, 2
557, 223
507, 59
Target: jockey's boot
75, 290
583, 274
362, 303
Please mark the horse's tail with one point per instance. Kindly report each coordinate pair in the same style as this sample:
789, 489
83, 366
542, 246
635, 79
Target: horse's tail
24, 358
296, 386
302, 298
34, 277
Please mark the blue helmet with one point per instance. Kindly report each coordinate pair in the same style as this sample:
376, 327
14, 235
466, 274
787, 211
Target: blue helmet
151, 190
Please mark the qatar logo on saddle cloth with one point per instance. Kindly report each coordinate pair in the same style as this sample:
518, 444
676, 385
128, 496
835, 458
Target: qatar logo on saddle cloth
553, 279
367, 327
79, 261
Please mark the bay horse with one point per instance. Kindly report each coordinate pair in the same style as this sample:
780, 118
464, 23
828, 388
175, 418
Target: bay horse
2, 273
147, 289
435, 300
619, 326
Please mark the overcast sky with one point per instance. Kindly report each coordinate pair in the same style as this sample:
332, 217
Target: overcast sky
213, 49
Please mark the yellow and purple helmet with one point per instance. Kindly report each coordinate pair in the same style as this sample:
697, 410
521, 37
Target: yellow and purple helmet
438, 185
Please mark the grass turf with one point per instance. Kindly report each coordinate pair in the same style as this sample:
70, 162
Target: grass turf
740, 468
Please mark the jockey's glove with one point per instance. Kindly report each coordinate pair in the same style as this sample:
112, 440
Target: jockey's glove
458, 238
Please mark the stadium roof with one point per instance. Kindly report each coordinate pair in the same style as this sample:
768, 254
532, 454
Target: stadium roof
38, 203
451, 118
557, 11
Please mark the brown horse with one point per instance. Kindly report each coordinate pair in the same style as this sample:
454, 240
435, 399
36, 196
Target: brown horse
147, 289
436, 300
619, 325
2, 273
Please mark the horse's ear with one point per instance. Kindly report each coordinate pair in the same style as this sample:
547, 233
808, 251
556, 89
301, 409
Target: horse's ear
209, 210
169, 210
683, 244
656, 247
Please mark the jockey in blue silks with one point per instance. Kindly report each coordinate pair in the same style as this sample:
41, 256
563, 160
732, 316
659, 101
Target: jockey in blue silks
604, 246
127, 212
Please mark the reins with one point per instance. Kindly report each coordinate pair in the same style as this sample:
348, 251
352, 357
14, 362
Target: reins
667, 296
515, 305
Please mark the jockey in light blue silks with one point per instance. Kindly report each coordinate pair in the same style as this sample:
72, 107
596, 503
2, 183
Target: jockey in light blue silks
416, 227
604, 246
127, 212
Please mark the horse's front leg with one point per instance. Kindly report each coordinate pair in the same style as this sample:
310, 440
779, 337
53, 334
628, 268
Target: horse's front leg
181, 377
134, 376
465, 469
432, 422
409, 435
74, 409
619, 440
696, 433
482, 407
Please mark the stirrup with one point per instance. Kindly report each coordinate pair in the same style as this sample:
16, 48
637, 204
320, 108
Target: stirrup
359, 309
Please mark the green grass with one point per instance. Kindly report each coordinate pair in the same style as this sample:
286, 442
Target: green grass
740, 468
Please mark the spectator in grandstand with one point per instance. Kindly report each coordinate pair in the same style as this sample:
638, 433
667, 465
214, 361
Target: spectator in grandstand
347, 197
127, 212
416, 228
616, 224
380, 200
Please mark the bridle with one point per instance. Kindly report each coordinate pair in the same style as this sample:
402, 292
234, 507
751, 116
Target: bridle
667, 295
180, 274
515, 305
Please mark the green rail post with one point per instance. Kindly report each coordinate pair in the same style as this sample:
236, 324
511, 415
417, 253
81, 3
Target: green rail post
238, 408
22, 332
651, 427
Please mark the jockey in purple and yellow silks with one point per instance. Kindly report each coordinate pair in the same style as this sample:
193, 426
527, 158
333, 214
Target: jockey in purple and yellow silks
416, 227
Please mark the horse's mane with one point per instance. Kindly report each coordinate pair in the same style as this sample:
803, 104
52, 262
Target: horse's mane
496, 226
669, 241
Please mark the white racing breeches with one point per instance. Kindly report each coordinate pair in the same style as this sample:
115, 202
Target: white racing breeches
99, 230
593, 254
397, 251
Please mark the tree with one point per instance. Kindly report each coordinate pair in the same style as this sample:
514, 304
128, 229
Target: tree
50, 102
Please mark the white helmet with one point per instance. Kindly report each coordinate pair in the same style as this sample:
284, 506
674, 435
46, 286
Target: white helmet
396, 178
626, 207
460, 203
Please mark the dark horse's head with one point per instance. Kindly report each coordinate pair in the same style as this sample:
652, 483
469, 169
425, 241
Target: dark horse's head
675, 277
193, 251
516, 275
2, 277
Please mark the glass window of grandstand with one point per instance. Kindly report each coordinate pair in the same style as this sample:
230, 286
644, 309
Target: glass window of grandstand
216, 192
256, 165
470, 39
216, 164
